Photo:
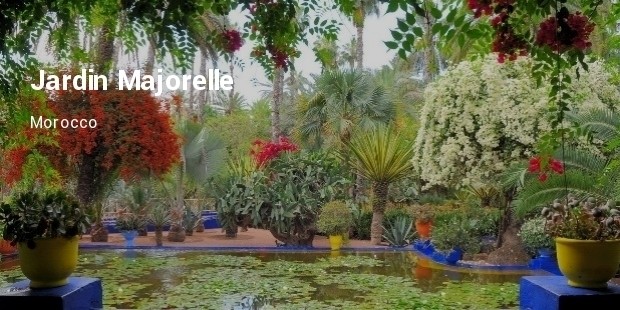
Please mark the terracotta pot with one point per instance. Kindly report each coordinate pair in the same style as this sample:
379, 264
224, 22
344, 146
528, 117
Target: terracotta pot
588, 263
423, 228
6, 247
50, 263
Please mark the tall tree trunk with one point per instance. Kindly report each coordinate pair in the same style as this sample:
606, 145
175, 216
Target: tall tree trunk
380, 190
278, 84
105, 50
430, 62
231, 94
359, 49
150, 57
176, 233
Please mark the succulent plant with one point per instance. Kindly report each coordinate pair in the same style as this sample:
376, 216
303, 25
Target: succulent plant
583, 219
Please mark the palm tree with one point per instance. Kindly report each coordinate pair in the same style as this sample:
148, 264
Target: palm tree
344, 102
202, 154
382, 156
362, 8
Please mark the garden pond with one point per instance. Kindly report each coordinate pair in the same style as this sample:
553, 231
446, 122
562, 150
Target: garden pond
164, 279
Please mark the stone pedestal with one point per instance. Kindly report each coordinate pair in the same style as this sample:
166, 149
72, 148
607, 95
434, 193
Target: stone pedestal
79, 294
552, 292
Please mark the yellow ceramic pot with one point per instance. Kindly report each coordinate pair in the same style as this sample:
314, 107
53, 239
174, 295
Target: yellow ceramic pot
50, 263
588, 263
335, 242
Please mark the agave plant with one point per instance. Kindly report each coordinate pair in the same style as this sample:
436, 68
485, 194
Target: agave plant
399, 232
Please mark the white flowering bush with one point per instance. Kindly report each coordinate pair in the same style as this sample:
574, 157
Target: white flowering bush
482, 116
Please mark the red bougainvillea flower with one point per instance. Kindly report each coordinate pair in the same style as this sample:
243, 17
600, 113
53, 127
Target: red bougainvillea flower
542, 177
565, 31
480, 7
13, 160
556, 166
232, 41
507, 44
265, 151
534, 164
545, 165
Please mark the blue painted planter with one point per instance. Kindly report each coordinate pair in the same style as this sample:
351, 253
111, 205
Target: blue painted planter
129, 236
454, 256
438, 257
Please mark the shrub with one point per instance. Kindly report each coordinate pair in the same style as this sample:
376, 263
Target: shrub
458, 232
394, 213
534, 237
361, 225
335, 218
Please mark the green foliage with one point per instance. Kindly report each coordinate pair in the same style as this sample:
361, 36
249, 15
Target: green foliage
335, 218
534, 236
391, 214
32, 215
159, 216
129, 221
583, 219
423, 212
380, 155
458, 231
361, 226
345, 101
236, 198
398, 232
301, 184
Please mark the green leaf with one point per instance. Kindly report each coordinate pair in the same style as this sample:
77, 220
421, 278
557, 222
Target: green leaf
396, 35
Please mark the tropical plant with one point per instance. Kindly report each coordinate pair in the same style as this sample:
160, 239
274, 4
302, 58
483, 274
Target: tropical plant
129, 221
159, 217
586, 219
344, 102
230, 205
286, 197
362, 221
335, 218
29, 216
383, 157
398, 233
534, 236
190, 219
358, 10
459, 232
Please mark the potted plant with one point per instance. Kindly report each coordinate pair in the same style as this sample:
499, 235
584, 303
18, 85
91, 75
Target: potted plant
423, 215
45, 227
128, 224
335, 220
159, 217
587, 239
454, 237
536, 240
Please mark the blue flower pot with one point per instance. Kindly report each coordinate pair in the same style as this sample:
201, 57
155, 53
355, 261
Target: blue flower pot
129, 236
438, 257
454, 256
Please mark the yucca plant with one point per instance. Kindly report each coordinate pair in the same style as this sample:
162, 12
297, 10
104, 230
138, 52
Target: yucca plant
399, 232
382, 156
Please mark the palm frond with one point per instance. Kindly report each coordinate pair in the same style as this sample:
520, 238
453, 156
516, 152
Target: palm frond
604, 124
536, 194
381, 155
